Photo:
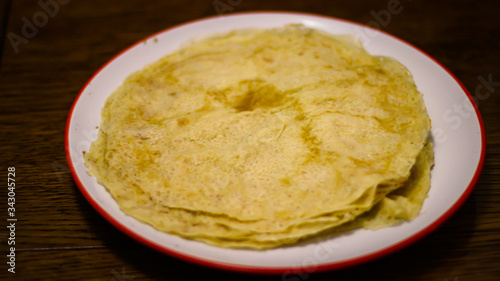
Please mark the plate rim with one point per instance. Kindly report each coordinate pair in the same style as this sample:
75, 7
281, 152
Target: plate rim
281, 269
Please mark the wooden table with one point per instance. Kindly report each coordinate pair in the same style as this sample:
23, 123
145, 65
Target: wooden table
59, 236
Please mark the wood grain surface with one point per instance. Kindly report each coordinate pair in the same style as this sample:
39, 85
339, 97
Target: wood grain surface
59, 236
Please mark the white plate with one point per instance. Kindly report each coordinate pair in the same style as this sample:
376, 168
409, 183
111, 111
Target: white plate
458, 135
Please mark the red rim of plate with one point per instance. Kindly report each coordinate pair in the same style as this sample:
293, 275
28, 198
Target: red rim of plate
280, 270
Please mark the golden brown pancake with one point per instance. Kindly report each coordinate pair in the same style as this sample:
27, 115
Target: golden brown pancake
260, 138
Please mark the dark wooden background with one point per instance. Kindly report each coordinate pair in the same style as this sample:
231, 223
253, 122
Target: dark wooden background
59, 236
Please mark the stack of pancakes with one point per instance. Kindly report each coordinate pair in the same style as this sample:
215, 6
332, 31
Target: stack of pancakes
261, 138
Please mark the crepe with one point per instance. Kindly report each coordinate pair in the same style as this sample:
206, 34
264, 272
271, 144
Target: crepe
261, 138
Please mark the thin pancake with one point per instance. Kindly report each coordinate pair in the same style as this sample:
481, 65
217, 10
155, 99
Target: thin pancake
269, 134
